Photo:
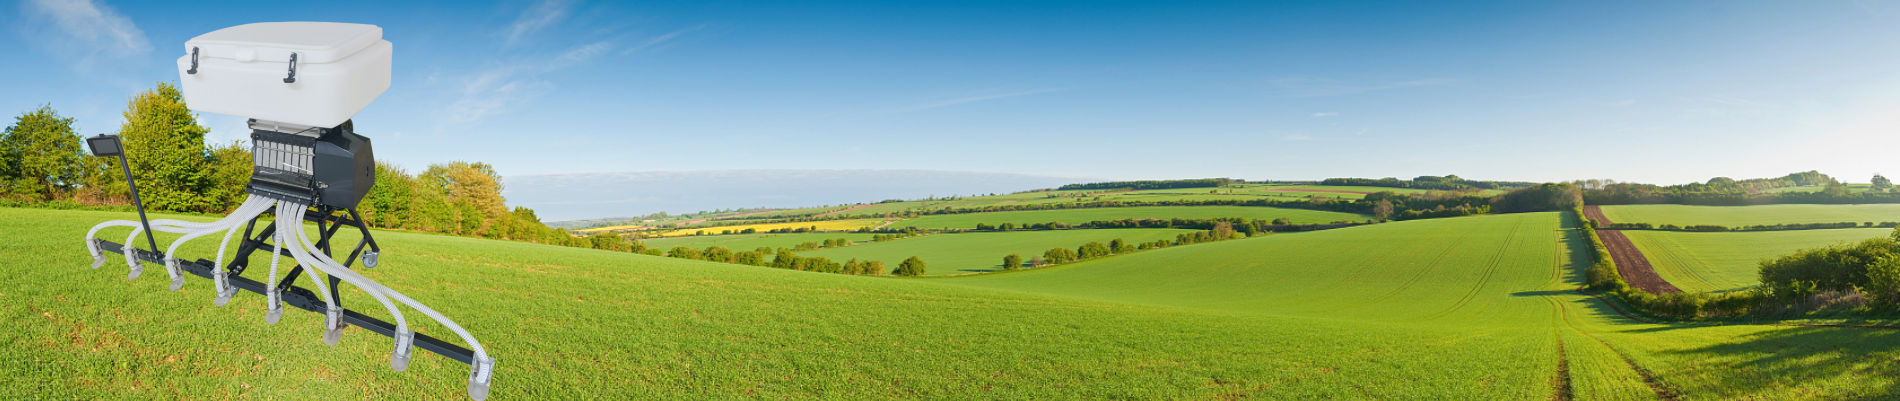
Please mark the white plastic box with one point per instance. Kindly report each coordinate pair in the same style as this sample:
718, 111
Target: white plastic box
241, 71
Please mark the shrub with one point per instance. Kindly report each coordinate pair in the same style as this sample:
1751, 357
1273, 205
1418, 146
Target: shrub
911, 267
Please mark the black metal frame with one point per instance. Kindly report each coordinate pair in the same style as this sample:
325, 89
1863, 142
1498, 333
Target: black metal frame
328, 222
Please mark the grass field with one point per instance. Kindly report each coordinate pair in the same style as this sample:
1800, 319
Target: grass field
1731, 260
1458, 308
1749, 215
962, 253
1076, 216
751, 241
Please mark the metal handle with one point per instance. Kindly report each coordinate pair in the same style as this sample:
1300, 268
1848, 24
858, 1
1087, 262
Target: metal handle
293, 69
194, 61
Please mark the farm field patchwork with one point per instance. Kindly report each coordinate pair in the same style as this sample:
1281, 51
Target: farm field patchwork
1732, 216
1077, 216
1459, 308
1724, 261
740, 242
962, 253
827, 225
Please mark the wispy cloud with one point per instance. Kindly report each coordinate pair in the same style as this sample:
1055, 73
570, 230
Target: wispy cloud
504, 85
962, 100
86, 30
659, 41
1320, 87
545, 13
1325, 114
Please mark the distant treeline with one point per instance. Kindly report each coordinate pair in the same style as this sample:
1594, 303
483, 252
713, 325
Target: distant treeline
1757, 227
1446, 183
1724, 191
1149, 184
1242, 225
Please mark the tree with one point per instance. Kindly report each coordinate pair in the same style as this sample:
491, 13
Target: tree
166, 149
683, 253
717, 254
1282, 221
1013, 261
873, 268
1035, 260
231, 167
785, 259
1382, 209
1881, 183
39, 156
911, 267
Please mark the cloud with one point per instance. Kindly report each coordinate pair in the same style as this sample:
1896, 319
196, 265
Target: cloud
1320, 87
659, 40
88, 29
963, 100
1325, 114
545, 13
502, 87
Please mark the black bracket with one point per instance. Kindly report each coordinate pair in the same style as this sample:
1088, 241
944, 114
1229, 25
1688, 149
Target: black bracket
194, 61
293, 69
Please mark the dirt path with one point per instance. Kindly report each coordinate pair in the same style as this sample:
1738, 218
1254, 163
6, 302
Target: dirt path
1596, 213
1630, 262
1632, 265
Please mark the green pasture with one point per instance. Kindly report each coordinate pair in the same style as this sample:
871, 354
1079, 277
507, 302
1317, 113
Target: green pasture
1077, 216
963, 253
1726, 261
1732, 216
1492, 294
746, 242
1454, 309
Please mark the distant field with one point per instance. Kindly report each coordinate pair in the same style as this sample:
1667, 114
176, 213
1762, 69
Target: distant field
751, 241
1730, 260
822, 225
947, 254
1748, 215
1075, 216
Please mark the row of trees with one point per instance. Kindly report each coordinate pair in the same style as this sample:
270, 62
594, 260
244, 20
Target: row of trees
1757, 227
1152, 184
43, 163
1446, 183
1094, 249
1726, 191
42, 159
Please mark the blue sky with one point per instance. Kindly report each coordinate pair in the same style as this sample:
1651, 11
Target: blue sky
1662, 92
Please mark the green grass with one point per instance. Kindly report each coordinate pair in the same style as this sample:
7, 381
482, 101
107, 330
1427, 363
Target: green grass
1730, 260
961, 253
1732, 216
746, 242
1458, 308
1077, 216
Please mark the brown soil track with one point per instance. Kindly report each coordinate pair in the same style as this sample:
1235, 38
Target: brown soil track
1630, 262
1596, 213
1632, 265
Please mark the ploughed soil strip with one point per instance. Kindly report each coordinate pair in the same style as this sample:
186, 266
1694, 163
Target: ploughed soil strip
1632, 265
1596, 213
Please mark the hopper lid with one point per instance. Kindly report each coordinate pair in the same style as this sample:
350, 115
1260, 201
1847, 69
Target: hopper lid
314, 42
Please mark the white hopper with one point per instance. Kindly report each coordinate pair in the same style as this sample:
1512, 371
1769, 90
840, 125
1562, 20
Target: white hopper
246, 71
